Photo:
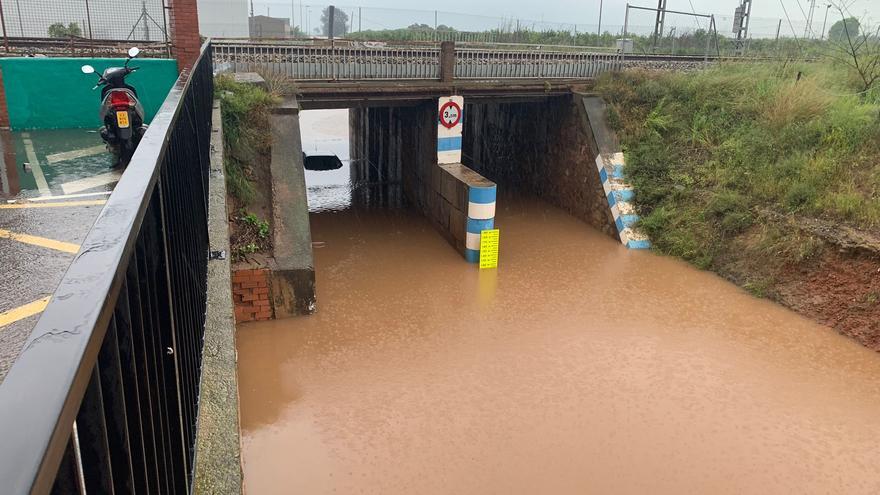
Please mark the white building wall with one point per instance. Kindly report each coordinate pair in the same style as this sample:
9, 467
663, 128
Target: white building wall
223, 18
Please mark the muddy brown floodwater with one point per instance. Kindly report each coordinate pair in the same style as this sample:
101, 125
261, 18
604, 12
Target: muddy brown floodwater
577, 367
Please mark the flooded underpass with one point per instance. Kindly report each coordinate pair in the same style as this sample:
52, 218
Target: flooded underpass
575, 367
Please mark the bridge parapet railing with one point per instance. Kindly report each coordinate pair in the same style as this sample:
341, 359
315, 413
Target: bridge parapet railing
323, 60
327, 62
529, 64
104, 395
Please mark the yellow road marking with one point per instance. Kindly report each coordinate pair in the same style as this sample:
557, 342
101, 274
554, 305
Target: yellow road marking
60, 204
67, 247
22, 312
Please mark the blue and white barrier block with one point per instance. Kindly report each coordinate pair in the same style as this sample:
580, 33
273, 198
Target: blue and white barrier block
619, 195
449, 126
481, 216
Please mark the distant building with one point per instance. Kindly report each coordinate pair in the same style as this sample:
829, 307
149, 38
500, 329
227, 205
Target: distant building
223, 18
262, 26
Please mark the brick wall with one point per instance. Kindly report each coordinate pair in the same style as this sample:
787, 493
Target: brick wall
4, 110
185, 40
250, 294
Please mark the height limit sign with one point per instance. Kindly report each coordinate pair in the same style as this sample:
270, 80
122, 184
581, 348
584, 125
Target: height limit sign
489, 248
450, 114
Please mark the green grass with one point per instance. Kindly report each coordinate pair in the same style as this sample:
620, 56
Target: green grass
708, 151
245, 110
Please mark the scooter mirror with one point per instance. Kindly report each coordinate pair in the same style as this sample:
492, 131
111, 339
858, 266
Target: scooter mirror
88, 69
133, 52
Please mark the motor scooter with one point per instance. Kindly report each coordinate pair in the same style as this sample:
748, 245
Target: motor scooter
121, 111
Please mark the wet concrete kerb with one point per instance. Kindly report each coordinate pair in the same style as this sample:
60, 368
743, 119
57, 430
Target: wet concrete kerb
218, 448
293, 276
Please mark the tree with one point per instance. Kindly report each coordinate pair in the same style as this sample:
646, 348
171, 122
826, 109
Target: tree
58, 30
340, 22
859, 52
839, 30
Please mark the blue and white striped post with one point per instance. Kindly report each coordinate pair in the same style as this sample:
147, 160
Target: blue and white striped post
619, 195
481, 216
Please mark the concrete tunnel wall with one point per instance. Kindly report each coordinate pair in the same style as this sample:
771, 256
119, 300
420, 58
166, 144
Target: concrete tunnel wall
543, 148
538, 147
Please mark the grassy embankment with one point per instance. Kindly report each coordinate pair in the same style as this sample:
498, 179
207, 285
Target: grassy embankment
728, 164
247, 144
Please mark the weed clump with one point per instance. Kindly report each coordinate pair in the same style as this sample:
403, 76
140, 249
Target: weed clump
707, 152
245, 111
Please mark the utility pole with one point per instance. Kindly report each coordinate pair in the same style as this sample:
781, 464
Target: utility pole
599, 29
330, 16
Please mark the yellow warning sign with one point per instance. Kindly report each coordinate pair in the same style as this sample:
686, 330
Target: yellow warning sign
489, 249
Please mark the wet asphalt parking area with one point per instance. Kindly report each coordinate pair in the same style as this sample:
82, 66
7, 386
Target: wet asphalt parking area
53, 185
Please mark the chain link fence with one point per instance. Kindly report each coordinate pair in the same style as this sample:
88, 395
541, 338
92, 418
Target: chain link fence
682, 35
142, 21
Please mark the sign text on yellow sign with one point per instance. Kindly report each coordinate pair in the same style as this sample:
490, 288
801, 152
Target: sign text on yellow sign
489, 248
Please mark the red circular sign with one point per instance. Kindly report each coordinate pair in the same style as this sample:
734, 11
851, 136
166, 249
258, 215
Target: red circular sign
450, 114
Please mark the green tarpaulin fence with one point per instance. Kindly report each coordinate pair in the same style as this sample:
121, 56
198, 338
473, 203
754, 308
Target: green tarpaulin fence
52, 93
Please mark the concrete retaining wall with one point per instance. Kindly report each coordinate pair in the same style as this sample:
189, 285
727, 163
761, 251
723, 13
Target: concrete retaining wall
293, 273
399, 145
218, 450
540, 148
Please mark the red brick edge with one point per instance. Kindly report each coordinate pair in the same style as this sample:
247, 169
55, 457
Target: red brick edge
4, 110
250, 295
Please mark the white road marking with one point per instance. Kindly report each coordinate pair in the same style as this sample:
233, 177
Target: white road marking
90, 182
72, 196
70, 155
40, 179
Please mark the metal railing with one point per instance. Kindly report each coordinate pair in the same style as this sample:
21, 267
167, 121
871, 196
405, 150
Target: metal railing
313, 60
104, 396
518, 64
316, 62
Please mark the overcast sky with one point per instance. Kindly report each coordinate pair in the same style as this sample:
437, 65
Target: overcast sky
586, 11
765, 13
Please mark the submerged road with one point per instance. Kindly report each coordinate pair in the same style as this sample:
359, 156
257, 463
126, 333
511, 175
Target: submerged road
577, 367
53, 184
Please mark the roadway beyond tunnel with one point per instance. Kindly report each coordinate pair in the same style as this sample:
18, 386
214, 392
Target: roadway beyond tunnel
579, 366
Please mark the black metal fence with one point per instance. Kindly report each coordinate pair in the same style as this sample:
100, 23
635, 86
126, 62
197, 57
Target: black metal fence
104, 395
72, 21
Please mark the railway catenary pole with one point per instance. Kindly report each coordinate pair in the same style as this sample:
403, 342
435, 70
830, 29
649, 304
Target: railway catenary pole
659, 23
825, 22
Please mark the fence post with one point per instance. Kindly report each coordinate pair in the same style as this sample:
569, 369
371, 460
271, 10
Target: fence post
447, 61
3, 25
5, 123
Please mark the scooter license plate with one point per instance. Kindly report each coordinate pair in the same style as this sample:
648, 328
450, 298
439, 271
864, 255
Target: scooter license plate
122, 119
